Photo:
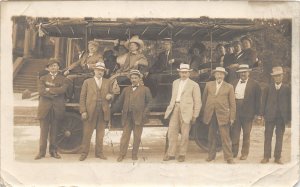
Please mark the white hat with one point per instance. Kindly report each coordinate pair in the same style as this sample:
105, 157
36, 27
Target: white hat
184, 67
100, 65
278, 70
135, 39
243, 68
219, 69
135, 72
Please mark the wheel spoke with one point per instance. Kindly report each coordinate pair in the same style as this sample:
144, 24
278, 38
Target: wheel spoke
58, 142
76, 130
60, 134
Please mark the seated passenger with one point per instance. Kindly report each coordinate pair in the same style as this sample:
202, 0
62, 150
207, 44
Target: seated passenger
134, 59
164, 60
110, 61
229, 56
197, 52
249, 55
220, 49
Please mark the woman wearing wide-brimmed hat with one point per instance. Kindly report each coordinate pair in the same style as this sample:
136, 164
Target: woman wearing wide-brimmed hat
134, 59
249, 55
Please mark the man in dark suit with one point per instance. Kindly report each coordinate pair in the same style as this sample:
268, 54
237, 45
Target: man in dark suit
51, 88
247, 97
218, 111
96, 94
135, 100
276, 109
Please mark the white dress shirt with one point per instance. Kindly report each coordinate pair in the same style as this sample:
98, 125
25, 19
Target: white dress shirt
278, 86
135, 87
53, 75
98, 81
182, 84
218, 87
240, 89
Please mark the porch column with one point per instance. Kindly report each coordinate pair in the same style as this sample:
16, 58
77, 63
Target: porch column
57, 49
26, 52
15, 34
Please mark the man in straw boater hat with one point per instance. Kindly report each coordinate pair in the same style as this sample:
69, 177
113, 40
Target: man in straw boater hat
95, 98
135, 102
183, 111
248, 102
134, 59
84, 65
276, 110
51, 108
218, 112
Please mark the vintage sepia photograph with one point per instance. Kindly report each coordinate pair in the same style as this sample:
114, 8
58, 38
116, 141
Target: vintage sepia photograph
165, 92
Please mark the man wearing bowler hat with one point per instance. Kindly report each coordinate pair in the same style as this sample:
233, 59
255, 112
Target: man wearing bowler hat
276, 110
135, 101
247, 96
183, 111
51, 108
218, 112
95, 97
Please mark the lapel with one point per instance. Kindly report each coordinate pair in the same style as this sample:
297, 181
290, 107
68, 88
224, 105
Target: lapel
221, 87
235, 83
248, 88
176, 86
185, 86
94, 84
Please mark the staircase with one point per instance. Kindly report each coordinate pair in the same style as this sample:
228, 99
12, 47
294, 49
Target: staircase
27, 76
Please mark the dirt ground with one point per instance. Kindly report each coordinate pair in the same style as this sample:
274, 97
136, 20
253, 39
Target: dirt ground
26, 140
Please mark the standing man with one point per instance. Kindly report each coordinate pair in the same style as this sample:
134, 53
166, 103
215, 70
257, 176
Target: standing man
277, 112
135, 100
51, 88
183, 109
95, 97
247, 97
219, 110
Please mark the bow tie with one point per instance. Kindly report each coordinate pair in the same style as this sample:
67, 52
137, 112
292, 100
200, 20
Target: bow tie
243, 82
135, 86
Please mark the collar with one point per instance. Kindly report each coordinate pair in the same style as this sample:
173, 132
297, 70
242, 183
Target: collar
91, 54
240, 81
53, 74
96, 78
134, 52
135, 86
218, 83
278, 85
184, 81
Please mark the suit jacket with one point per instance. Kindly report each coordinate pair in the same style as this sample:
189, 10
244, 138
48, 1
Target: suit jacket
252, 99
85, 60
249, 56
269, 102
140, 103
190, 100
223, 103
52, 100
88, 98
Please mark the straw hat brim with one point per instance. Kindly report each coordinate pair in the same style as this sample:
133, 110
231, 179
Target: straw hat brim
276, 73
214, 71
139, 74
138, 41
243, 70
184, 70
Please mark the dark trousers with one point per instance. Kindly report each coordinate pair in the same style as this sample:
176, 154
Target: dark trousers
137, 133
279, 131
97, 123
48, 127
246, 125
224, 131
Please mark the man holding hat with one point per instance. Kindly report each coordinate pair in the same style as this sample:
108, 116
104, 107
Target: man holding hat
276, 109
51, 108
135, 101
218, 112
95, 97
183, 111
247, 97
134, 59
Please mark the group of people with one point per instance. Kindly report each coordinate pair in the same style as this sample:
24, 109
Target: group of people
227, 108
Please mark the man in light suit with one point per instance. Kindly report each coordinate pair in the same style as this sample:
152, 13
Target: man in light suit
183, 111
219, 110
95, 97
247, 96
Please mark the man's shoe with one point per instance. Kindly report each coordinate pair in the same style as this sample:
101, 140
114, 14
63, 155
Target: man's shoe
39, 156
101, 156
134, 157
209, 159
55, 155
120, 158
82, 157
167, 158
230, 161
278, 161
234, 156
264, 161
181, 158
243, 157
